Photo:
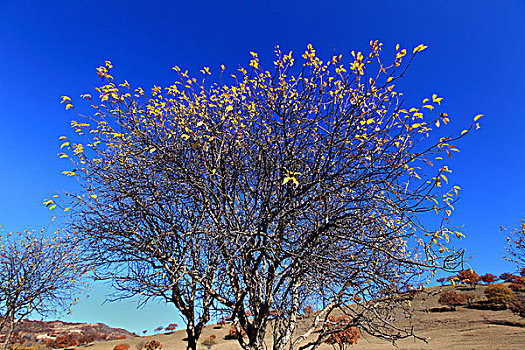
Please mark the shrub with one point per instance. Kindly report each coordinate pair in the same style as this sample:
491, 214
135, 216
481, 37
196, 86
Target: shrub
343, 334
234, 333
153, 345
64, 341
451, 299
210, 341
499, 294
122, 346
517, 305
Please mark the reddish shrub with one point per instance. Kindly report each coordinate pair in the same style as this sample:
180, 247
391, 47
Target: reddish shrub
120, 337
489, 278
210, 341
451, 299
234, 333
64, 341
153, 345
158, 329
123, 346
343, 334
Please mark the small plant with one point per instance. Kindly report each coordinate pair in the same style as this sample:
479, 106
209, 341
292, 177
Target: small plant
210, 341
234, 333
153, 345
122, 346
489, 278
451, 299
342, 333
499, 294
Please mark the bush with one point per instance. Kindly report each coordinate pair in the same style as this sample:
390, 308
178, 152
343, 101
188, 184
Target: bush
234, 333
210, 341
343, 334
122, 346
153, 345
499, 294
452, 299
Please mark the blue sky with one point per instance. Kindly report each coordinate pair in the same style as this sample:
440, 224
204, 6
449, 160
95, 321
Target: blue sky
474, 60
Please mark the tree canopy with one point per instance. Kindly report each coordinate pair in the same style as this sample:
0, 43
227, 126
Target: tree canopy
289, 187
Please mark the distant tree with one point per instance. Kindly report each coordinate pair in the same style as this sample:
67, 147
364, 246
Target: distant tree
442, 280
468, 276
507, 277
38, 275
287, 185
499, 294
452, 299
489, 278
172, 327
158, 329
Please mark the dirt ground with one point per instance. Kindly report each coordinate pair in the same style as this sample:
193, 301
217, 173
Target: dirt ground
465, 328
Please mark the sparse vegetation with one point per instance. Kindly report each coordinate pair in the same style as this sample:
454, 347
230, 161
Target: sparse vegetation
153, 345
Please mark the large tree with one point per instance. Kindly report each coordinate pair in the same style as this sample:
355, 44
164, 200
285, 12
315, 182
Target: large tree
39, 276
288, 188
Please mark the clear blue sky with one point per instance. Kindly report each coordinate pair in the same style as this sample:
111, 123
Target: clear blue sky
475, 60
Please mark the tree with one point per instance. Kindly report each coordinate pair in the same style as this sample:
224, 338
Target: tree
499, 294
300, 186
468, 276
452, 299
39, 276
489, 278
507, 277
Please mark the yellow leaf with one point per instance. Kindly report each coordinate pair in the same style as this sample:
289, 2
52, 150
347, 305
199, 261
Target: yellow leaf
477, 117
419, 48
229, 109
429, 107
464, 132
52, 207
65, 99
94, 196
68, 106
67, 209
444, 178
64, 145
62, 138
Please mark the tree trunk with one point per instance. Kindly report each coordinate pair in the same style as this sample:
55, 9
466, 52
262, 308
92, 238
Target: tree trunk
8, 334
